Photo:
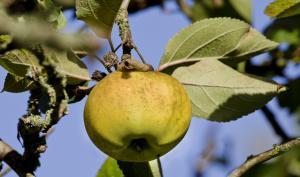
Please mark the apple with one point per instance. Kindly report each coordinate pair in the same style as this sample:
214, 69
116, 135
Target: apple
137, 116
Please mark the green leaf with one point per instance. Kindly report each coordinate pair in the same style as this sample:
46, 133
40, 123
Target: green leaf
98, 14
284, 30
20, 62
69, 64
219, 93
4, 41
243, 7
114, 168
110, 168
53, 12
283, 8
17, 84
226, 39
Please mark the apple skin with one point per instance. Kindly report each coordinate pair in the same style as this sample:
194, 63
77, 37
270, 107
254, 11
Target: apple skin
137, 116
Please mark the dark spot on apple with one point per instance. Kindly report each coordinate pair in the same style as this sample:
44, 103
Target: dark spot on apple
139, 144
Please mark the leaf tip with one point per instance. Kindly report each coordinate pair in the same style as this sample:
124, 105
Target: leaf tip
281, 88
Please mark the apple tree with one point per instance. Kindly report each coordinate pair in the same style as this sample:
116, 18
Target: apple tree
136, 112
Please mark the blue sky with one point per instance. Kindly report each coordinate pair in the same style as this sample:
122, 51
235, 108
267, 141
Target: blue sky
71, 153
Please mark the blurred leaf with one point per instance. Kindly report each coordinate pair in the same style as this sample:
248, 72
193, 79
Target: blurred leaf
284, 30
283, 8
17, 84
20, 62
229, 40
98, 14
207, 9
114, 168
39, 32
61, 21
290, 99
54, 14
244, 8
219, 93
4, 41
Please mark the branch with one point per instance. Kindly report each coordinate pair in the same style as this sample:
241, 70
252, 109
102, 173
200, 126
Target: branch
265, 156
185, 8
14, 160
276, 127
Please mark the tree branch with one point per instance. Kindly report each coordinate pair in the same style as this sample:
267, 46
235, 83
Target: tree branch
265, 156
14, 160
276, 127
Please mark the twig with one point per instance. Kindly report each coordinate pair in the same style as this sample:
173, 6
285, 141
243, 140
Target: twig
125, 31
185, 8
130, 64
111, 45
139, 53
276, 127
265, 156
5, 171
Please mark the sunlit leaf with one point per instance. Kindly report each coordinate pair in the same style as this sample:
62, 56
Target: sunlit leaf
20, 62
4, 41
17, 84
283, 8
110, 168
225, 39
98, 14
219, 93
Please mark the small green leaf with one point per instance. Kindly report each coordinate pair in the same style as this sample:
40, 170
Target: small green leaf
53, 12
4, 41
98, 14
283, 8
17, 84
110, 168
226, 39
114, 168
243, 7
219, 93
19, 62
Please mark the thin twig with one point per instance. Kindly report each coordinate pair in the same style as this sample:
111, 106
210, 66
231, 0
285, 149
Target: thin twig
276, 127
185, 8
111, 45
102, 62
5, 171
139, 53
265, 156
117, 48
